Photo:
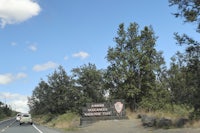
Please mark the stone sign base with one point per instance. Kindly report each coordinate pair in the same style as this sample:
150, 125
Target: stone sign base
84, 121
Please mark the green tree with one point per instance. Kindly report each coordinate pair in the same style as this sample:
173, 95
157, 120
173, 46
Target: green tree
7, 110
177, 80
190, 11
134, 64
1, 110
59, 83
192, 59
89, 82
40, 102
56, 96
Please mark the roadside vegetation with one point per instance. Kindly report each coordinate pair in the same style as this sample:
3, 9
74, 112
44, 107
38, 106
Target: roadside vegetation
137, 73
6, 111
67, 121
71, 121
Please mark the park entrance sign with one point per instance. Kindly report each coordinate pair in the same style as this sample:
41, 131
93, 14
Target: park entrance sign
103, 111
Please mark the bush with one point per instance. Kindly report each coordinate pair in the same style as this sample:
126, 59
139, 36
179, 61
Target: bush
195, 115
67, 121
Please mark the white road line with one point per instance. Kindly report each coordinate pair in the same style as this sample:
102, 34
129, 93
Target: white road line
37, 129
3, 130
5, 120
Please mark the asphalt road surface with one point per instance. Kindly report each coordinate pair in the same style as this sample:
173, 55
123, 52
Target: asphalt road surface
12, 126
110, 126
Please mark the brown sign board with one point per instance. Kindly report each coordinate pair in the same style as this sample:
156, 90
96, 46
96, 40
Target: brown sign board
103, 111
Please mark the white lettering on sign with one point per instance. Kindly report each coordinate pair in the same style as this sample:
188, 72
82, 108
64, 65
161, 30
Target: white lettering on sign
97, 113
97, 109
106, 113
97, 105
93, 114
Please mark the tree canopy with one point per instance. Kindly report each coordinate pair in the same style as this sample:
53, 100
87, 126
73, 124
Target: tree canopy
134, 64
5, 111
136, 73
190, 70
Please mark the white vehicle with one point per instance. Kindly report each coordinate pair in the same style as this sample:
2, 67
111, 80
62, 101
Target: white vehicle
18, 116
25, 118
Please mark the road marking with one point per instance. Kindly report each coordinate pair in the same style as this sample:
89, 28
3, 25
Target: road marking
37, 129
3, 130
5, 120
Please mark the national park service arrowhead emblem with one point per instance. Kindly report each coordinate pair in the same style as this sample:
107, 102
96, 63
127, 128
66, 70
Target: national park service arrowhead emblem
118, 107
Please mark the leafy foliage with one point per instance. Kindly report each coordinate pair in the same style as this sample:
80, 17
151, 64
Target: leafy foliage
62, 93
134, 63
5, 111
190, 10
55, 97
136, 73
89, 82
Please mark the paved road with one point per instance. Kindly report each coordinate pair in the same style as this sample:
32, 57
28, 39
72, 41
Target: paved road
12, 126
112, 126
5, 123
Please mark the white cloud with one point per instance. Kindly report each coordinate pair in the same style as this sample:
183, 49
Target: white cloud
23, 68
16, 11
33, 47
66, 58
8, 77
21, 75
81, 55
13, 43
18, 102
45, 66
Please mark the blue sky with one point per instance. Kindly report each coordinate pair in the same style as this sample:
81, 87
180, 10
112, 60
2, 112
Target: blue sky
38, 36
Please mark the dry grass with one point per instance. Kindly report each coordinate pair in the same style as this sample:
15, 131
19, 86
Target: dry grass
193, 124
68, 121
178, 111
165, 114
158, 114
130, 114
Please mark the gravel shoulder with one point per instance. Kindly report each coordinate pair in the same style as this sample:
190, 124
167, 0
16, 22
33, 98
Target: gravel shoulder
128, 126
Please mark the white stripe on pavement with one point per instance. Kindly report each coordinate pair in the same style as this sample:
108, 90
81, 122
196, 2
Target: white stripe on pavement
37, 129
3, 130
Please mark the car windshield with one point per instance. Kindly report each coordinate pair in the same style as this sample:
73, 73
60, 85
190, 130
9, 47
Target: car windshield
26, 115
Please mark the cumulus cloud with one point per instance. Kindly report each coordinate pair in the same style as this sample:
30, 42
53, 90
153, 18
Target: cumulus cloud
21, 75
13, 43
18, 102
8, 77
33, 47
45, 66
16, 11
66, 58
81, 55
